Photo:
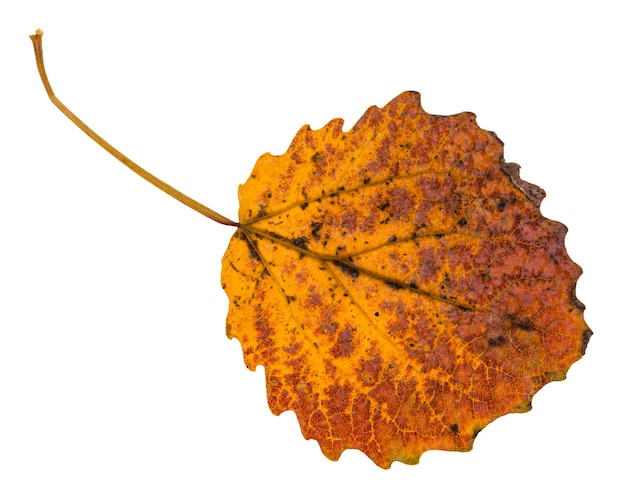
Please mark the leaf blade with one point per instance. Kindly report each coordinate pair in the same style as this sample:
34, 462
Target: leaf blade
406, 289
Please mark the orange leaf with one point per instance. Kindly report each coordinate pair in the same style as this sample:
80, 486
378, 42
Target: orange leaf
399, 283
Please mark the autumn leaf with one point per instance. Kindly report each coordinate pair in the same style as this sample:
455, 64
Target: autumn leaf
399, 283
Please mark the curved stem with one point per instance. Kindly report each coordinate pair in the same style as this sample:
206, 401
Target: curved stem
188, 201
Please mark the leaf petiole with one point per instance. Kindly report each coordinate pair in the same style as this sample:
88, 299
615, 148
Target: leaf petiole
188, 201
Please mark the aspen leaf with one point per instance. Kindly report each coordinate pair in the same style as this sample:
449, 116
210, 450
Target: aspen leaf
397, 281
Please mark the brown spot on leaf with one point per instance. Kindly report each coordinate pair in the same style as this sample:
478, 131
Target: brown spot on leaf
344, 346
496, 341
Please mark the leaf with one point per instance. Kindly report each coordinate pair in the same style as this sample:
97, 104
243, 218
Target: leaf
399, 283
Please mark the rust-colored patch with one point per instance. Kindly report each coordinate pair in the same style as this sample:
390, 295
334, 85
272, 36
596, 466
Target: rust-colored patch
344, 346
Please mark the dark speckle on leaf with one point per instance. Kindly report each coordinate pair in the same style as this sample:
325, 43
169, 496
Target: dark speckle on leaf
253, 253
496, 341
521, 323
394, 285
316, 226
347, 269
300, 242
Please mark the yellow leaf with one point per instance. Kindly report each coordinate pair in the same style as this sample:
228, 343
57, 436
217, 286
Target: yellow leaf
399, 283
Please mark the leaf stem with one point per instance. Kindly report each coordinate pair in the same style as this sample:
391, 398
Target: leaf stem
188, 201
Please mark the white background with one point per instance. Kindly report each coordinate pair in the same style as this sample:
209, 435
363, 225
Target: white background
117, 381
